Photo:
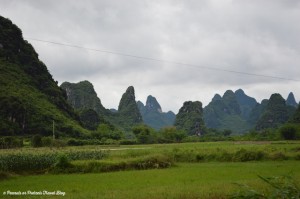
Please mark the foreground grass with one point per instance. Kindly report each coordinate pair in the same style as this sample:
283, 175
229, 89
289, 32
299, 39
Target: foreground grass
186, 180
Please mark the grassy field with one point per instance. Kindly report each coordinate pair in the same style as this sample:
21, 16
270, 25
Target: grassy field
189, 177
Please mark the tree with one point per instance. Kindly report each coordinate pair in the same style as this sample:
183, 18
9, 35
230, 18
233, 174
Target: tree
37, 141
288, 132
144, 134
171, 134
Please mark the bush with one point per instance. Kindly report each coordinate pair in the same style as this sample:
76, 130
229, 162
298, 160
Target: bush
288, 132
62, 162
10, 142
37, 141
243, 155
47, 141
128, 142
74, 142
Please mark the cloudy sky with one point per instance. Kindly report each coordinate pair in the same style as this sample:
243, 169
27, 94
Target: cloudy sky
248, 36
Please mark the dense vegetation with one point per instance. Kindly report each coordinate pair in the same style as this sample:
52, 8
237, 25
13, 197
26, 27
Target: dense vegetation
83, 96
240, 113
190, 118
30, 99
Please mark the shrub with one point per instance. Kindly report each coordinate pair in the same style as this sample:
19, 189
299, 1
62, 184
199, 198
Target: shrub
62, 162
128, 142
10, 142
243, 155
288, 132
278, 156
37, 141
47, 141
74, 142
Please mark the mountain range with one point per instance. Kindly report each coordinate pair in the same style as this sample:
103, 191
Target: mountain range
31, 102
239, 113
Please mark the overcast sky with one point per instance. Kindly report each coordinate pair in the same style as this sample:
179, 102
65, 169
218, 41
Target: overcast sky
249, 36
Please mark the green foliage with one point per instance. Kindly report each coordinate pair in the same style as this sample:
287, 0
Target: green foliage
144, 134
47, 141
8, 142
82, 96
29, 97
89, 118
283, 187
36, 162
190, 118
140, 163
275, 114
107, 131
296, 117
262, 135
229, 112
171, 134
62, 162
289, 132
37, 141
243, 155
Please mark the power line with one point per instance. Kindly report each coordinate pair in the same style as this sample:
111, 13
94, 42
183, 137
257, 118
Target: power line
161, 60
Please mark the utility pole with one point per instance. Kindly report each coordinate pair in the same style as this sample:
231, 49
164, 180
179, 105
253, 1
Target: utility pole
53, 131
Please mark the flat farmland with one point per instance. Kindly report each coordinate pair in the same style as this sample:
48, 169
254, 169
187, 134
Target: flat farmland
198, 170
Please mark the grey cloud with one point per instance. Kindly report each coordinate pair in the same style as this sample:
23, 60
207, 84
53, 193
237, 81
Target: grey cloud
252, 36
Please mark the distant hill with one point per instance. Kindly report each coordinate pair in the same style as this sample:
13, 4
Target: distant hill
274, 114
30, 99
240, 113
152, 114
291, 100
190, 118
245, 102
82, 96
296, 117
229, 112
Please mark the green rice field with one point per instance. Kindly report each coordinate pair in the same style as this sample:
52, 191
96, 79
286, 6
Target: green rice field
197, 170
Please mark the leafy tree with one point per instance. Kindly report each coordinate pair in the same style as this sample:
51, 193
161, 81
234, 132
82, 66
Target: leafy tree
171, 134
144, 134
288, 132
37, 141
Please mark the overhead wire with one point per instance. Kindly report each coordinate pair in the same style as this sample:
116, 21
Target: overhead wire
162, 60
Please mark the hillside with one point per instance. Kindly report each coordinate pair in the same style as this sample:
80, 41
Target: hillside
229, 111
239, 113
275, 113
30, 99
82, 97
190, 118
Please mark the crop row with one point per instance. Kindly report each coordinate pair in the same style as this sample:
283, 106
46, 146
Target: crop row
39, 162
